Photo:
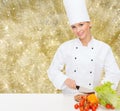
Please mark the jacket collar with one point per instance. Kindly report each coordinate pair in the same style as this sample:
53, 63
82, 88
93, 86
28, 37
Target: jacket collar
91, 42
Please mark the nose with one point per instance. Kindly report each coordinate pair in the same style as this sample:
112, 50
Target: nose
78, 29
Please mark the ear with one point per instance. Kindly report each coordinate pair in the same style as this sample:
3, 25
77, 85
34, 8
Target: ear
90, 25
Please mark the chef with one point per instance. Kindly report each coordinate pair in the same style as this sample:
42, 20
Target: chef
83, 58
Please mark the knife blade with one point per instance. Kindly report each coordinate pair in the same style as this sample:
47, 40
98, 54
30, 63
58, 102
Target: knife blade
84, 90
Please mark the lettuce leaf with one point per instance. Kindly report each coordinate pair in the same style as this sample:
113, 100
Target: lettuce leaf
107, 95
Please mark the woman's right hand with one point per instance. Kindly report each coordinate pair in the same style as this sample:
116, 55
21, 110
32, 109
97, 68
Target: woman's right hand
70, 83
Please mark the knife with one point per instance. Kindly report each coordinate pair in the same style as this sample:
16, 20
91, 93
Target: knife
85, 90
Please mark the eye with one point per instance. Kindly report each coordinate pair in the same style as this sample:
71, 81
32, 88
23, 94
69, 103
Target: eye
81, 24
73, 27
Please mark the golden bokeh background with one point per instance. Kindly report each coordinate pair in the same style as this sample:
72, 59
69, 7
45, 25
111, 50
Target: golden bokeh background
32, 30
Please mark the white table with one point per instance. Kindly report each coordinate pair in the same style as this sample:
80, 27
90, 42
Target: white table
38, 102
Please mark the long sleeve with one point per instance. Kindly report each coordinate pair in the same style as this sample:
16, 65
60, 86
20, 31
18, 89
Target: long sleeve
112, 72
54, 72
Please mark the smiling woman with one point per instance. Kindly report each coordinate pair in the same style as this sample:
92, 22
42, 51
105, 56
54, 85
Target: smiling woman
32, 30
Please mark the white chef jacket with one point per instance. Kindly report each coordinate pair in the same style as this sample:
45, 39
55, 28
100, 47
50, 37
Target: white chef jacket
84, 64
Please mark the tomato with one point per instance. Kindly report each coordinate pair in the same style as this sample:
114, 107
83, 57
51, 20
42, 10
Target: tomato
82, 108
96, 106
93, 108
90, 105
81, 103
86, 108
108, 106
76, 106
85, 105
85, 97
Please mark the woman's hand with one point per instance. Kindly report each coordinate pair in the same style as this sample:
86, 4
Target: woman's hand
70, 83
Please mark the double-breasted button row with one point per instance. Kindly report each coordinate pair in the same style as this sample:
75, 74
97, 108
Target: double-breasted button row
91, 71
75, 58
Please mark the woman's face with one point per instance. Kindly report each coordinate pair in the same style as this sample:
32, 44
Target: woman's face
81, 30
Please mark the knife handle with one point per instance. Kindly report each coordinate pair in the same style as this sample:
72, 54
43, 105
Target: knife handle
77, 87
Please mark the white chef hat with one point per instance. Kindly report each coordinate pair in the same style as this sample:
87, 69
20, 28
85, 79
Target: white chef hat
76, 11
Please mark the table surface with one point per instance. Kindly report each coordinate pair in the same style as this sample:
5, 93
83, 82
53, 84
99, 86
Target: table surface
39, 102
